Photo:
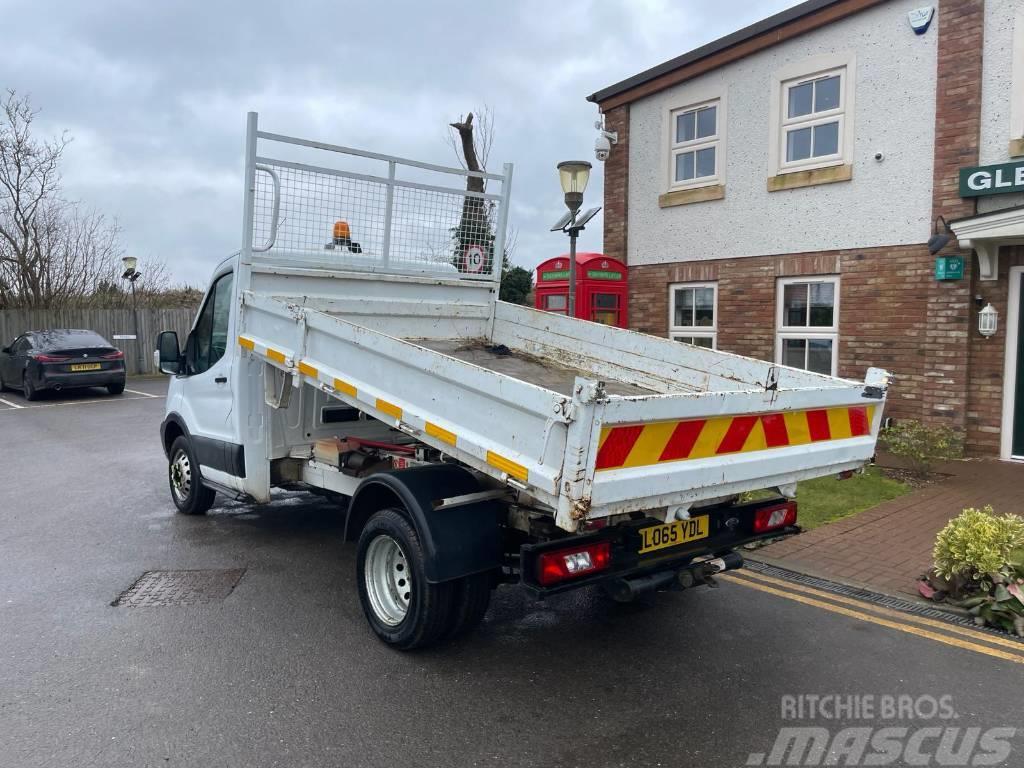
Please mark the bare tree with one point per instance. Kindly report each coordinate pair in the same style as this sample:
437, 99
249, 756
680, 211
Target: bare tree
52, 251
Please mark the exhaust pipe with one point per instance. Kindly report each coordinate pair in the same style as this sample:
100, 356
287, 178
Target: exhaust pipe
58, 387
626, 590
704, 571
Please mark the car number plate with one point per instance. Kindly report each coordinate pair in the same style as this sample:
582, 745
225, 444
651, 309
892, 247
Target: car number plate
86, 367
673, 534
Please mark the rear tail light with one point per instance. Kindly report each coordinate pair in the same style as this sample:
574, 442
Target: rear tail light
118, 355
50, 358
775, 516
573, 562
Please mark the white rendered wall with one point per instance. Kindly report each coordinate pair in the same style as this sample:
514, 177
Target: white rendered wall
1004, 20
886, 203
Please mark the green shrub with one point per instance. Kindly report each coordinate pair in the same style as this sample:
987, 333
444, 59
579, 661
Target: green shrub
977, 542
922, 444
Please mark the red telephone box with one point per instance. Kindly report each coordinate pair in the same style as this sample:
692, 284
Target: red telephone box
600, 288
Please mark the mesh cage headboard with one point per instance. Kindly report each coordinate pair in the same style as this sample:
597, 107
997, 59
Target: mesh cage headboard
331, 206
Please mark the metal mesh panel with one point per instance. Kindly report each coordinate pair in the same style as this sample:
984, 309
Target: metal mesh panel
389, 223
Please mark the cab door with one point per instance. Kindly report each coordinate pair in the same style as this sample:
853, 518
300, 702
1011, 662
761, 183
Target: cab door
207, 392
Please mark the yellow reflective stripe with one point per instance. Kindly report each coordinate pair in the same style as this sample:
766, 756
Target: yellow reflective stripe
650, 444
246, 343
839, 423
605, 431
389, 408
345, 387
756, 441
711, 437
277, 357
796, 427
507, 466
308, 370
440, 433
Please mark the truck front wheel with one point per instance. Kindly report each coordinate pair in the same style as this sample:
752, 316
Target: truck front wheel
404, 610
190, 496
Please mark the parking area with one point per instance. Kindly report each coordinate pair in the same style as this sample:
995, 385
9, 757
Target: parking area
244, 644
137, 389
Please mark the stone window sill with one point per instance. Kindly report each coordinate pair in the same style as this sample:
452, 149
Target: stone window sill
796, 179
688, 196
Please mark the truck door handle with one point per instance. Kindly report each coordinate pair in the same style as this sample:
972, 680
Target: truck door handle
221, 379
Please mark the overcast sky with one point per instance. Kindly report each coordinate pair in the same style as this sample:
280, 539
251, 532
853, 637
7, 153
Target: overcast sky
155, 95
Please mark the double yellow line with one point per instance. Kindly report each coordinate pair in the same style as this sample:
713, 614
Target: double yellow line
939, 631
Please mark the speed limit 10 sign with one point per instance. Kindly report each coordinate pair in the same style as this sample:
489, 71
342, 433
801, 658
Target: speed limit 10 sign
474, 258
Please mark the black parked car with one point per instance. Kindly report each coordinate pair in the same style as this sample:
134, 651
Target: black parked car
61, 359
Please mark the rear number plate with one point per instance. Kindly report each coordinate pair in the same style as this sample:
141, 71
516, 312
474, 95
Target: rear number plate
673, 534
86, 367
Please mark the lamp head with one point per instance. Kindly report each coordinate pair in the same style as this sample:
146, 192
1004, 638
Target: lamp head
574, 175
130, 263
939, 240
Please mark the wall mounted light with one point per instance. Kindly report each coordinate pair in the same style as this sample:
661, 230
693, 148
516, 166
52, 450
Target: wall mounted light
988, 321
939, 240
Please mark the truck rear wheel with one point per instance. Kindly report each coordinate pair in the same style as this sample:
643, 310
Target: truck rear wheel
403, 609
190, 496
472, 598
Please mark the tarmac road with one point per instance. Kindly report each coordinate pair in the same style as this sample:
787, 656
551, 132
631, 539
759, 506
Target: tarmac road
284, 671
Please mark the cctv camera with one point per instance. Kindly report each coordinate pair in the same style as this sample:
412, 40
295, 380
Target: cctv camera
602, 147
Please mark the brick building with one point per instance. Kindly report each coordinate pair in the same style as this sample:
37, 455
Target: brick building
774, 192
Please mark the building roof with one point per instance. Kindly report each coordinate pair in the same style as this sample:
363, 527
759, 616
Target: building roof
741, 43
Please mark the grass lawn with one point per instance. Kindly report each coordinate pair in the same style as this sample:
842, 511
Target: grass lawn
826, 499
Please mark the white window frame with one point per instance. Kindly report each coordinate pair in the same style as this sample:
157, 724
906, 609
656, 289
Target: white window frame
813, 68
783, 332
717, 141
693, 331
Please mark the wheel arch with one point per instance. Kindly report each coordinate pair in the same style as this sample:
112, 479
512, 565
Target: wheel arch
458, 541
172, 427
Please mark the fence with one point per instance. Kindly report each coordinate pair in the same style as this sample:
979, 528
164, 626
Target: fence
109, 323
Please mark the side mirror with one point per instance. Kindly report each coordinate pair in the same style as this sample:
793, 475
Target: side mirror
5, 351
168, 353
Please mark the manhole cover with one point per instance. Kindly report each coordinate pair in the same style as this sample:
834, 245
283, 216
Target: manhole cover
156, 588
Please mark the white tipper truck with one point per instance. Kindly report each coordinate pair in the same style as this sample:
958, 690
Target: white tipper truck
355, 346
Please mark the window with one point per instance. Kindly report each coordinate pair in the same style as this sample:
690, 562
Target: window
604, 308
556, 302
812, 114
808, 323
693, 313
694, 139
209, 339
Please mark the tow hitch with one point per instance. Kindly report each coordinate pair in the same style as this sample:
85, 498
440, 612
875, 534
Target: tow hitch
624, 590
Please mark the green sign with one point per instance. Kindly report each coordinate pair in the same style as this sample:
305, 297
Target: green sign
949, 268
992, 179
603, 274
563, 275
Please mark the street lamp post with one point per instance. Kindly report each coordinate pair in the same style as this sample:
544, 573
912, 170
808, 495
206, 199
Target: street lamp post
131, 274
574, 175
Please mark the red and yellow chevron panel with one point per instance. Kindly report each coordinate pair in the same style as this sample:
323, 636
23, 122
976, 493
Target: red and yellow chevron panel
638, 445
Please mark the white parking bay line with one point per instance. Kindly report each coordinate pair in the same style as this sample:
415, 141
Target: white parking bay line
137, 392
80, 402
8, 402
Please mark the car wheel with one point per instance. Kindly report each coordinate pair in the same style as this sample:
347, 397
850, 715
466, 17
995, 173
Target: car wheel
190, 496
30, 392
115, 389
403, 609
3, 384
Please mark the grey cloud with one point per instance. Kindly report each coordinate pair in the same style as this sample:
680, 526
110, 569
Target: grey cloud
156, 95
